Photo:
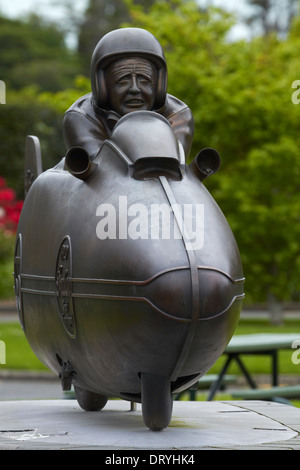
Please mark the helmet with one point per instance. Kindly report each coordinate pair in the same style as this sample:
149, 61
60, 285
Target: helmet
119, 44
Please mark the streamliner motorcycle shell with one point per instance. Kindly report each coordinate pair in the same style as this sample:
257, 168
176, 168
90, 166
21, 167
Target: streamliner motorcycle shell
128, 278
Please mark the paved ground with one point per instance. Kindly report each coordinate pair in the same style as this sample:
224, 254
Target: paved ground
24, 388
61, 424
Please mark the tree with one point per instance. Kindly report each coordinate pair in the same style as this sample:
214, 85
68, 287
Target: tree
34, 52
25, 115
272, 15
34, 58
100, 18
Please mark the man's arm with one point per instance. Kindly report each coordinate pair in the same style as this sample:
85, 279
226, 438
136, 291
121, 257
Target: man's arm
181, 119
80, 131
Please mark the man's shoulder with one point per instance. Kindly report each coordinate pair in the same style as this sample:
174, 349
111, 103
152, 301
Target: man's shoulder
83, 106
173, 106
81, 103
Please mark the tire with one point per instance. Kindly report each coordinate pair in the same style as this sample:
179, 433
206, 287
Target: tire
90, 401
157, 401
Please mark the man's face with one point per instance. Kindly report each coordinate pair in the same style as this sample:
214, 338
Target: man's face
131, 85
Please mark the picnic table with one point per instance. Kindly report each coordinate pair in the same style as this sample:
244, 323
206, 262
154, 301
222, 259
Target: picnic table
266, 344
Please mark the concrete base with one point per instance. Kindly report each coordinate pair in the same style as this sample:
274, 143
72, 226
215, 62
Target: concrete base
62, 424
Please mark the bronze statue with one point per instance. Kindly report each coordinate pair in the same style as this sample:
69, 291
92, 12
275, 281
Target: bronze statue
127, 65
128, 278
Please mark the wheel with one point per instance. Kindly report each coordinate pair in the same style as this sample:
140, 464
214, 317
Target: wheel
90, 401
157, 401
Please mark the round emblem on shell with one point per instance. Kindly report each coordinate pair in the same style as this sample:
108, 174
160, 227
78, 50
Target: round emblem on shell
63, 286
18, 279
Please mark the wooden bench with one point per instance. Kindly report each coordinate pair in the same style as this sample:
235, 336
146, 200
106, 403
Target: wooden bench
269, 344
207, 380
280, 394
205, 383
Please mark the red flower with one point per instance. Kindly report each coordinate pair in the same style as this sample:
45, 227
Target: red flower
7, 194
10, 209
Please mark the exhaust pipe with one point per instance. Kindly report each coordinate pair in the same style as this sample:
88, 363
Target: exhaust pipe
206, 163
78, 163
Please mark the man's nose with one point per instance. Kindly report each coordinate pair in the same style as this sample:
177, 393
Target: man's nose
134, 88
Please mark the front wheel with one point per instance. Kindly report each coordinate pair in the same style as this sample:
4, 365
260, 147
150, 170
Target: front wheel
157, 401
90, 401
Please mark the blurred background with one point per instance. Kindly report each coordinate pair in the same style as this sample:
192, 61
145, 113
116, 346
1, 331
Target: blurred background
236, 66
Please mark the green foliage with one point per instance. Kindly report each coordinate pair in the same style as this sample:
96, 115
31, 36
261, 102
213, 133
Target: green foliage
34, 58
101, 17
6, 279
7, 246
33, 52
62, 100
24, 115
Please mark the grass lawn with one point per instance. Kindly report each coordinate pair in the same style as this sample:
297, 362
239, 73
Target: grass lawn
19, 354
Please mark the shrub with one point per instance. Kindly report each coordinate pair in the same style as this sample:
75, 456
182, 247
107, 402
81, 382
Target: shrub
10, 209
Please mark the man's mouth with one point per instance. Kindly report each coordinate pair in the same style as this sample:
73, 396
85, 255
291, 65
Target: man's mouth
135, 102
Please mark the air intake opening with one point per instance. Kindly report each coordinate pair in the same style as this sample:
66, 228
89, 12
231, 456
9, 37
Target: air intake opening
153, 167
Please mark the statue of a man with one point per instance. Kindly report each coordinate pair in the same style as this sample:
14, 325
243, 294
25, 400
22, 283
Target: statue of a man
128, 73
